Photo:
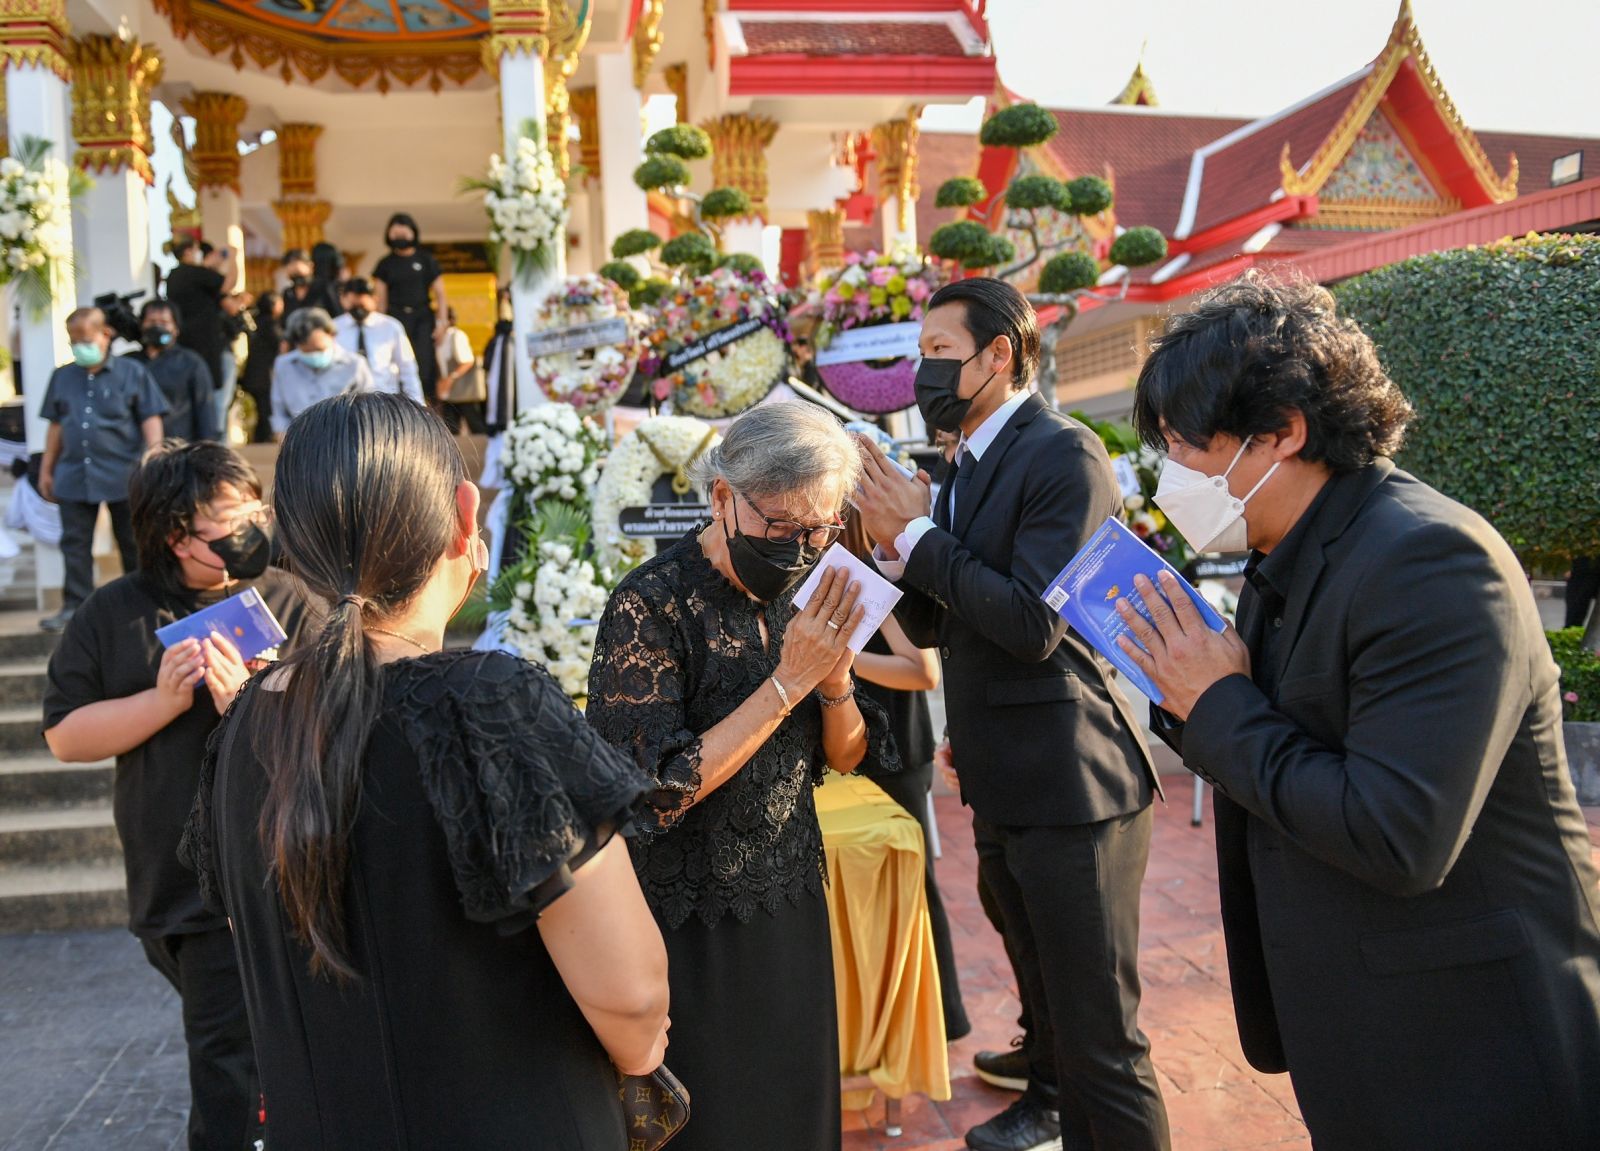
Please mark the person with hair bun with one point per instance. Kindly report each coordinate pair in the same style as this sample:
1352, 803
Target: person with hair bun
736, 704
422, 851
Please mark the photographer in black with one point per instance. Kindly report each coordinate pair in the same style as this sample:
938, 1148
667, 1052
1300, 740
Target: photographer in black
180, 373
203, 276
203, 536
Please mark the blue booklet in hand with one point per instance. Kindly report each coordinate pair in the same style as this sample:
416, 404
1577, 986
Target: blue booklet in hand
245, 619
1086, 592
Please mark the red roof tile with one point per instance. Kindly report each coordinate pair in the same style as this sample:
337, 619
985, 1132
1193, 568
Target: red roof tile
1535, 154
819, 38
1244, 175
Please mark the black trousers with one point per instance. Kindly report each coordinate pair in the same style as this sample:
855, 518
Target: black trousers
1069, 898
1042, 1055
909, 788
454, 415
1582, 587
225, 1094
77, 546
418, 323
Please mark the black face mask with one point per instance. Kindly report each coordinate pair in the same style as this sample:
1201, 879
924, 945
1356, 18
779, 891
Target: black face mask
937, 386
402, 243
154, 337
246, 553
359, 314
299, 281
768, 568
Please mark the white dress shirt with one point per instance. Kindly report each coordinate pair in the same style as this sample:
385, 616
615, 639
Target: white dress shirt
388, 352
977, 443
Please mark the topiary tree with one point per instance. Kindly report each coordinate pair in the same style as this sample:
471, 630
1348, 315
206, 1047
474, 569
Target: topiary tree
1034, 206
1496, 347
666, 169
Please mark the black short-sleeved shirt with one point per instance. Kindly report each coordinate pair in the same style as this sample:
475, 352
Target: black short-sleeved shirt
109, 651
317, 294
186, 383
197, 293
408, 279
100, 414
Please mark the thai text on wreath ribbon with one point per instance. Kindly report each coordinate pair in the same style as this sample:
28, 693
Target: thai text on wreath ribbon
711, 342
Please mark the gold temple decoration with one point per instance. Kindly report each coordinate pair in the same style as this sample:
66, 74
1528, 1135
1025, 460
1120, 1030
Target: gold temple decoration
241, 40
260, 274
297, 159
1405, 44
352, 259
520, 27
302, 222
677, 78
569, 32
739, 155
184, 220
1138, 90
1380, 214
216, 138
111, 86
585, 107
895, 142
825, 238
709, 15
5, 142
34, 33
647, 40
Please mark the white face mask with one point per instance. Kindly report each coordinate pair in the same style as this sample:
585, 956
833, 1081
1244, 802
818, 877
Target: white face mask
1202, 508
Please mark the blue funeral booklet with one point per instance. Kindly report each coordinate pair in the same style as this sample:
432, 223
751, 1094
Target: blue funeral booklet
245, 619
1085, 594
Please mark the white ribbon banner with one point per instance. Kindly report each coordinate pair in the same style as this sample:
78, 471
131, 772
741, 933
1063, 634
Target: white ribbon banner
879, 342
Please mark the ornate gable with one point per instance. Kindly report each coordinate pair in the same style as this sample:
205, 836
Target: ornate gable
1379, 184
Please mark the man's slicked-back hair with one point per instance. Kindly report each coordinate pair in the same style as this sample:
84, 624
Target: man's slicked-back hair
1257, 348
991, 308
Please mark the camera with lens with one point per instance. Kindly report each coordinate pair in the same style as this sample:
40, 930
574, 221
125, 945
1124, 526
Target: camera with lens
119, 313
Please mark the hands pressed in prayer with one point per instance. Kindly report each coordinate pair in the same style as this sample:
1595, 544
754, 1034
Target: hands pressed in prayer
886, 499
1175, 648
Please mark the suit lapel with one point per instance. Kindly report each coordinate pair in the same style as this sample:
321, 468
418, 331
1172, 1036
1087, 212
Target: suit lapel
972, 495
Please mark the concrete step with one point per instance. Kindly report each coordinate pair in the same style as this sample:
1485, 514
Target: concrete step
37, 781
62, 898
20, 731
21, 639
23, 683
75, 834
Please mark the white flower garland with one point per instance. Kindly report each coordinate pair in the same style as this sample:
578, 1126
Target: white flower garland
541, 623
527, 205
631, 472
590, 379
35, 222
550, 450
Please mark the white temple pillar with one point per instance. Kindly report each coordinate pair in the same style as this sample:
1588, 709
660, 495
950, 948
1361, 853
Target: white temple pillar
522, 98
623, 205
744, 236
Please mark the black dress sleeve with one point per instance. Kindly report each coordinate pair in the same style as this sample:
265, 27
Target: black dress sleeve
525, 791
195, 847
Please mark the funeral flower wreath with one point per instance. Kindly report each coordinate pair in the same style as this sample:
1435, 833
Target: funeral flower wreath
736, 375
590, 379
551, 450
664, 445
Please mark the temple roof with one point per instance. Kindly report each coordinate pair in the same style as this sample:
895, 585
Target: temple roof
815, 38
1138, 91
367, 20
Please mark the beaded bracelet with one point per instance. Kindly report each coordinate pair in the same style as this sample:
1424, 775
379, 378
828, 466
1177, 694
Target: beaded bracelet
841, 700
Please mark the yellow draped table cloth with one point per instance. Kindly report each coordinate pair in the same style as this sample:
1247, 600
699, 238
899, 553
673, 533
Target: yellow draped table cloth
891, 1022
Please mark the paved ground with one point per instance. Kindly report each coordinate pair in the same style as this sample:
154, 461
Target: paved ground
92, 1055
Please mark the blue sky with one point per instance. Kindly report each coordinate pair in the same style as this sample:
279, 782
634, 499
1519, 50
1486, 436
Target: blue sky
1523, 66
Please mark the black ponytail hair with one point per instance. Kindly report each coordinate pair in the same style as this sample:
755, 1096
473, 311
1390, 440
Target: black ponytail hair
365, 506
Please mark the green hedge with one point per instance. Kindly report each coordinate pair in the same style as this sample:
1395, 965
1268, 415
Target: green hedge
1580, 676
1068, 272
1499, 350
960, 192
1019, 126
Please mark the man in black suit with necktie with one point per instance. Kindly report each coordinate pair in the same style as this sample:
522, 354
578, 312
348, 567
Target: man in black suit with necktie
1050, 756
1407, 895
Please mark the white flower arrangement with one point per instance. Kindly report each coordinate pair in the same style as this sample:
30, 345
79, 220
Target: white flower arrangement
733, 378
36, 193
526, 203
555, 610
552, 451
631, 471
589, 379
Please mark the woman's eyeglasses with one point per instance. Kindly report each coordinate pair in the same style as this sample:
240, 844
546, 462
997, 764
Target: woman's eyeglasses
784, 531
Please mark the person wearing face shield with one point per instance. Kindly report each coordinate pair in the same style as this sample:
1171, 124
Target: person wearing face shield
114, 692
1048, 752
1408, 898
180, 373
736, 704
104, 412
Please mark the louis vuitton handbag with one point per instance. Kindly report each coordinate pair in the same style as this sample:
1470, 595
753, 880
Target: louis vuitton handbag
656, 1106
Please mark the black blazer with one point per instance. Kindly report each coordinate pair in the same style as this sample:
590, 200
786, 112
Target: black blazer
1039, 734
1407, 894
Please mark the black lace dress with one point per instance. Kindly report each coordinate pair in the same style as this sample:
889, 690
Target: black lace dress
735, 880
483, 791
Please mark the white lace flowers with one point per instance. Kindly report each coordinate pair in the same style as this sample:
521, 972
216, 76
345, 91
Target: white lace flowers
526, 202
553, 616
552, 451
35, 222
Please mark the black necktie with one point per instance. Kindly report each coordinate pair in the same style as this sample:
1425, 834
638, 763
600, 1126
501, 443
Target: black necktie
361, 342
958, 487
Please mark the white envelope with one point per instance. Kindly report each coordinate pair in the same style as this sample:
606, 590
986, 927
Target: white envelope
877, 594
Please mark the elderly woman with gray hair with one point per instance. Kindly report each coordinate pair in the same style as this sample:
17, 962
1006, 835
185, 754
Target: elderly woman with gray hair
736, 704
314, 368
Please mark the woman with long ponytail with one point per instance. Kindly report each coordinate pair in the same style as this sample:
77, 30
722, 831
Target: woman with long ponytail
442, 941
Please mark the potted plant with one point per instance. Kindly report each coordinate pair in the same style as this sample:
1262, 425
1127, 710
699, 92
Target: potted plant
1580, 709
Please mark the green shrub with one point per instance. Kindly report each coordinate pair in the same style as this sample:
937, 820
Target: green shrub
961, 192
722, 203
1068, 272
1027, 192
680, 140
742, 262
1137, 247
659, 173
692, 248
650, 293
634, 242
1090, 195
1580, 676
623, 274
1497, 349
1019, 126
958, 240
